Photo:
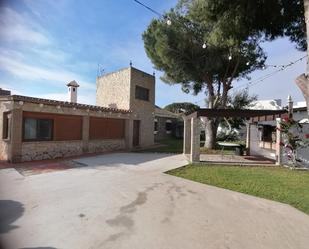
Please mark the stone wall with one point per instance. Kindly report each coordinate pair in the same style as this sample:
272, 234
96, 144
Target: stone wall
50, 150
3, 151
113, 90
4, 144
143, 110
161, 131
58, 149
106, 145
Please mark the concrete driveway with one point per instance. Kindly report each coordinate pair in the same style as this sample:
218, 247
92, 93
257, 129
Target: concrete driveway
124, 200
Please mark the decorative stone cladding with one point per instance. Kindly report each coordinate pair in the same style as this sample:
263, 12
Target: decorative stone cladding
106, 145
118, 90
113, 89
50, 150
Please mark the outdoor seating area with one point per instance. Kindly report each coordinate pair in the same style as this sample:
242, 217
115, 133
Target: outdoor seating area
191, 145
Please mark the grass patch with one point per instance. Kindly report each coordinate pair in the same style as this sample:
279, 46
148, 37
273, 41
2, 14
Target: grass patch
274, 183
171, 145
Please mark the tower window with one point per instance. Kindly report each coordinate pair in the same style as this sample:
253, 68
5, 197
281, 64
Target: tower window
141, 93
73, 89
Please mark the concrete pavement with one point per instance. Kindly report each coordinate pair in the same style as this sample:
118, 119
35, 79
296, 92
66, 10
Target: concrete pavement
124, 201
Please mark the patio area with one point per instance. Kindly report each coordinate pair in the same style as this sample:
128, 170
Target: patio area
234, 159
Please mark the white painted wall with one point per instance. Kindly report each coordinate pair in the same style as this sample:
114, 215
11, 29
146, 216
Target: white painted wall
255, 149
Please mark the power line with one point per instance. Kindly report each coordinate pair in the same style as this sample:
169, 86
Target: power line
266, 76
204, 46
149, 8
263, 77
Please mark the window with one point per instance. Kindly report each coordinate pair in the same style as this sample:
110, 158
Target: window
5, 131
155, 126
38, 129
168, 126
141, 93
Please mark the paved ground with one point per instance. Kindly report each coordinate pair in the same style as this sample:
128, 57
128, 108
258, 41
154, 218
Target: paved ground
124, 201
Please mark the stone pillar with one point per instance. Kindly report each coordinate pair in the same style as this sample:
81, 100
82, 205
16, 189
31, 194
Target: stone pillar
129, 134
278, 143
85, 133
248, 139
195, 140
186, 136
15, 149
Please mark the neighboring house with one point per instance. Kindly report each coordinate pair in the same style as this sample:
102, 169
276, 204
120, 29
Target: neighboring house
123, 118
263, 133
167, 124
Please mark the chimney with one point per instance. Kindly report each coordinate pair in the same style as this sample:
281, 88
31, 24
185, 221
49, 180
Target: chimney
72, 91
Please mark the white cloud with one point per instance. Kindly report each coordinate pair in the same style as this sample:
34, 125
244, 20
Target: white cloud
18, 68
18, 28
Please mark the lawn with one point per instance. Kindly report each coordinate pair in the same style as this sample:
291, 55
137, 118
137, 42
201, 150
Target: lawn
274, 183
174, 145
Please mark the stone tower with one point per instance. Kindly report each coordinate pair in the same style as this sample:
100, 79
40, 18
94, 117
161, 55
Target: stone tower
132, 89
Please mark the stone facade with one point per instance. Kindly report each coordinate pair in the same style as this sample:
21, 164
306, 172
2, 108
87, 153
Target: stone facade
15, 149
106, 145
117, 90
161, 133
116, 99
50, 150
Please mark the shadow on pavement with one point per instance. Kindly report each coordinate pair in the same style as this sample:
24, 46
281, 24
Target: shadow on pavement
10, 211
117, 159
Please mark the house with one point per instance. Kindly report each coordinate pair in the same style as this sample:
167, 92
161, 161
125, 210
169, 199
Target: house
167, 124
123, 118
263, 134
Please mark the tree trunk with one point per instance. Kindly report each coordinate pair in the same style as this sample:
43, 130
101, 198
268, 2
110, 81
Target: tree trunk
302, 81
211, 127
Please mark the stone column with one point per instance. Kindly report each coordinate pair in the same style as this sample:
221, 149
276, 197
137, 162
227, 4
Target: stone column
186, 136
16, 124
129, 133
248, 138
85, 133
195, 140
278, 142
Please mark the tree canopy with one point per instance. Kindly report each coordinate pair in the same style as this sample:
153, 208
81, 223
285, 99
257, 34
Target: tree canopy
183, 107
270, 19
177, 50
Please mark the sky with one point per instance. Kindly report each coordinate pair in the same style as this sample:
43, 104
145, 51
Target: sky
46, 44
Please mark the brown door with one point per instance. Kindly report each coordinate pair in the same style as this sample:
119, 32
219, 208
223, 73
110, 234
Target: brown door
136, 126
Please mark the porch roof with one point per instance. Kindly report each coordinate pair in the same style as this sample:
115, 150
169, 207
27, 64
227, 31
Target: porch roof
255, 115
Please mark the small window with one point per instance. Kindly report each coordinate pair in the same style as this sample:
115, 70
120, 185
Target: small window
73, 89
155, 126
6, 125
38, 129
168, 126
141, 93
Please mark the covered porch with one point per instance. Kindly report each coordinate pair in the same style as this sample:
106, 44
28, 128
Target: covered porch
192, 129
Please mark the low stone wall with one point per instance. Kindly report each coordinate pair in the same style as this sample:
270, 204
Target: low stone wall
58, 149
106, 145
50, 150
3, 151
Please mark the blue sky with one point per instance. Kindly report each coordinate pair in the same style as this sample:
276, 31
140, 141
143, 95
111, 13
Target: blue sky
46, 44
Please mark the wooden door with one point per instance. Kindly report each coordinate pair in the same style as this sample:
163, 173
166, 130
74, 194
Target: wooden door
136, 128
